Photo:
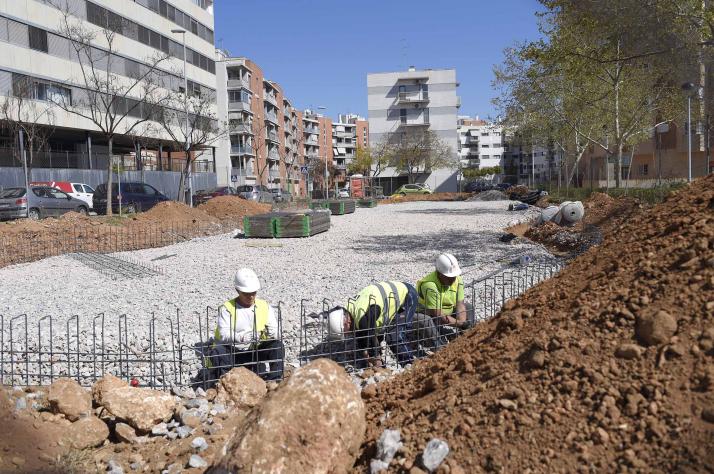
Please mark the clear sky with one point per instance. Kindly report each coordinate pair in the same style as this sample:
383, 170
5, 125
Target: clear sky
321, 51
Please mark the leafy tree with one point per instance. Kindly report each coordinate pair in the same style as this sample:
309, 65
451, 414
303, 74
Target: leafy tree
416, 152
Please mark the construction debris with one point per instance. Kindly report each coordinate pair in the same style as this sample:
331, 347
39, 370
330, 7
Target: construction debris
490, 195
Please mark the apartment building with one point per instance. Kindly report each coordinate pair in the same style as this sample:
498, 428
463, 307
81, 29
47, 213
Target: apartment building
400, 102
35, 53
662, 157
481, 144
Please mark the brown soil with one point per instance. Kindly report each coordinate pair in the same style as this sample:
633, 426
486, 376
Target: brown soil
519, 190
24, 240
539, 387
426, 197
232, 208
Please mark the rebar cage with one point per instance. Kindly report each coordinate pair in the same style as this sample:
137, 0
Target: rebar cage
181, 349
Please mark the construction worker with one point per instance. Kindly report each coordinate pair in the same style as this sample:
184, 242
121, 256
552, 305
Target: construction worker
441, 294
247, 331
381, 310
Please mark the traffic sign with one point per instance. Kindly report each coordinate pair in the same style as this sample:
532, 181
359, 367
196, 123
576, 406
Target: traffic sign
303, 169
234, 178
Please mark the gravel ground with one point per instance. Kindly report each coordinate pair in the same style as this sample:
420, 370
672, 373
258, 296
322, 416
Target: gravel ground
398, 242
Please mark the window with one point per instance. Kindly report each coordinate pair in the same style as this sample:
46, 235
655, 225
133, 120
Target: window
77, 188
163, 8
644, 169
96, 14
38, 39
88, 189
149, 190
171, 12
403, 115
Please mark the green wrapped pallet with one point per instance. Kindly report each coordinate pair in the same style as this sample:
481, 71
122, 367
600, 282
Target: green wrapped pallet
301, 224
319, 204
343, 206
259, 226
367, 203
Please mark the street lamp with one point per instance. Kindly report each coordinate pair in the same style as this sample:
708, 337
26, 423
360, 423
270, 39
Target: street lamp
187, 145
689, 87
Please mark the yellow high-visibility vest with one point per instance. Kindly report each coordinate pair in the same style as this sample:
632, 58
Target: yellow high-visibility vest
262, 314
388, 295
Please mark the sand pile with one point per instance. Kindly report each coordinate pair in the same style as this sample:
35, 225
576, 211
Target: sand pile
609, 367
232, 208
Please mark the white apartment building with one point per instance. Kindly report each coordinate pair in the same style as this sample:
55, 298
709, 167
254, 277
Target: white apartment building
481, 144
33, 50
415, 99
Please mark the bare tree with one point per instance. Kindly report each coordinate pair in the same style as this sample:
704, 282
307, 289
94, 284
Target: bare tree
291, 159
117, 95
21, 113
193, 132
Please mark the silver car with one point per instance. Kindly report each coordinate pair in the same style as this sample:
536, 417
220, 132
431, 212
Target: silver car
255, 192
43, 201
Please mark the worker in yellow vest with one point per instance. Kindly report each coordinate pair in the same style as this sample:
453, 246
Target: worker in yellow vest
247, 331
441, 295
383, 310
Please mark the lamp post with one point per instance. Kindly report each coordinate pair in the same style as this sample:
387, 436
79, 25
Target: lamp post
324, 141
187, 145
689, 87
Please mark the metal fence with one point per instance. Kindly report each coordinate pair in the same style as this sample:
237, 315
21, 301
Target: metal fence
29, 246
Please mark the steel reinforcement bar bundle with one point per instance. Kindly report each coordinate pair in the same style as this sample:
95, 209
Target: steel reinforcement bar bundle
179, 349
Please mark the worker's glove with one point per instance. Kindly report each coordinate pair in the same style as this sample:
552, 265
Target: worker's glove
466, 325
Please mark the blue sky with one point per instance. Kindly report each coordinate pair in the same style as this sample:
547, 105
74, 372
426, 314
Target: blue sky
320, 51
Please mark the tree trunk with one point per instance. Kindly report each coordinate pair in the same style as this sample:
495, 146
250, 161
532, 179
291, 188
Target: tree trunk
618, 168
184, 176
109, 175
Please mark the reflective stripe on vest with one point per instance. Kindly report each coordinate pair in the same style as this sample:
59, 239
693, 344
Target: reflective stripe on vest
261, 315
380, 294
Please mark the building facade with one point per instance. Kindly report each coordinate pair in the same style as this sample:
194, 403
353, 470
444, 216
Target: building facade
481, 144
40, 61
399, 102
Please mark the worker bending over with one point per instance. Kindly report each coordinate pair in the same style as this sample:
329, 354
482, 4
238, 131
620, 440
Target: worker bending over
381, 310
441, 294
247, 331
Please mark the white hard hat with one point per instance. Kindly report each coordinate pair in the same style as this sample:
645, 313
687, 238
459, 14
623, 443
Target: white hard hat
447, 265
246, 281
336, 323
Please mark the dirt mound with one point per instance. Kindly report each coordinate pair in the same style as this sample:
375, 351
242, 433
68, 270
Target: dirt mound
519, 190
564, 379
491, 195
75, 217
175, 212
232, 208
426, 197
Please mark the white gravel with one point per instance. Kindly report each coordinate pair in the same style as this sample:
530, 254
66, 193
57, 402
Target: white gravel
398, 242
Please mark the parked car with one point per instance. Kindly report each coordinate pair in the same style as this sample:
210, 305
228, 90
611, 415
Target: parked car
81, 191
412, 189
13, 203
136, 197
255, 192
204, 195
280, 195
43, 201
343, 193
478, 186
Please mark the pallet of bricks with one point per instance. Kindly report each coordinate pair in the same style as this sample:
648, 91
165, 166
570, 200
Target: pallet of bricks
337, 207
286, 224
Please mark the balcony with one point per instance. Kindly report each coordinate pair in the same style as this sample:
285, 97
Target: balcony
274, 173
239, 107
270, 98
272, 136
413, 98
413, 123
273, 155
242, 150
288, 130
340, 166
244, 171
312, 141
239, 83
241, 129
271, 117
311, 130
350, 134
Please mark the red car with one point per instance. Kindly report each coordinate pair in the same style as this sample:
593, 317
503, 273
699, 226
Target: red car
202, 196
